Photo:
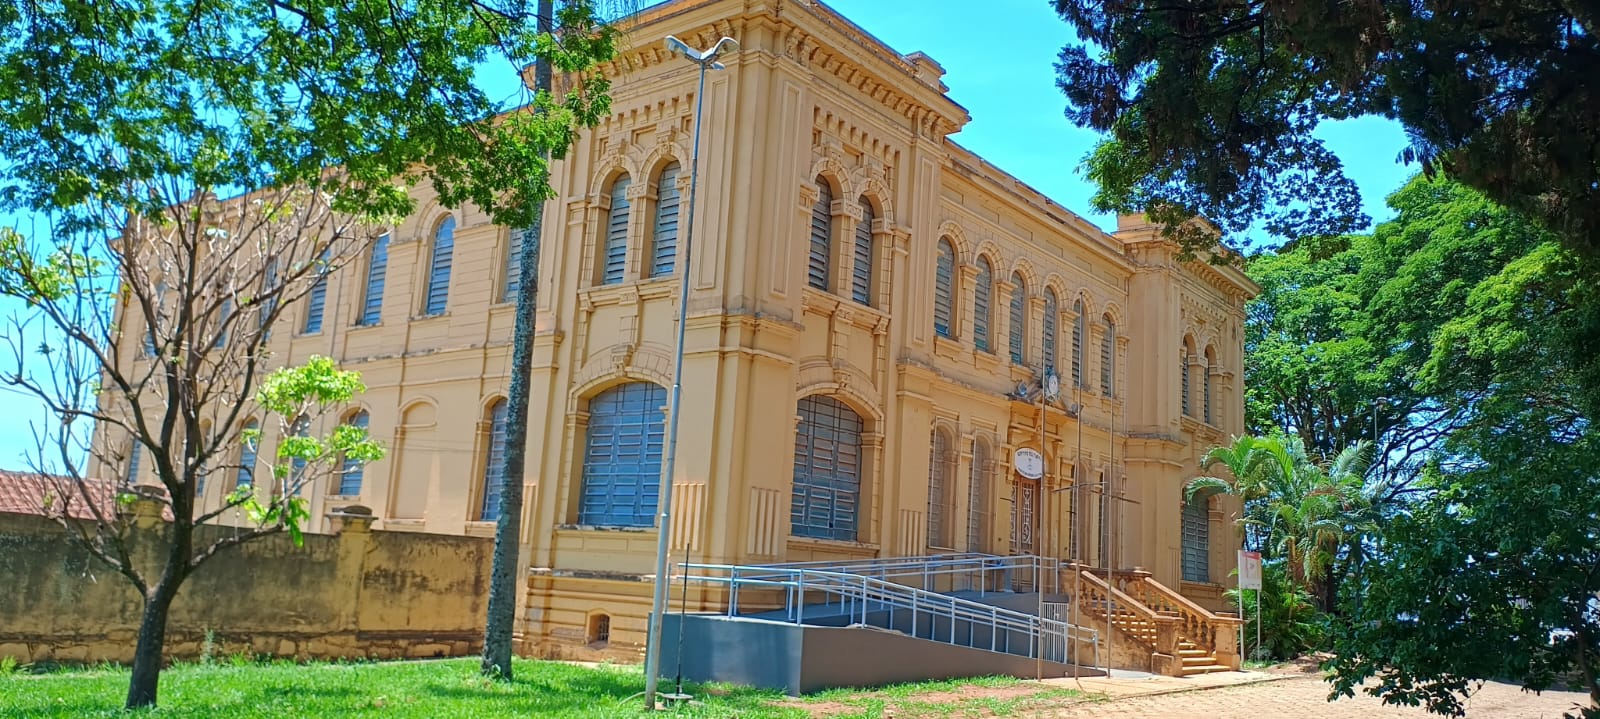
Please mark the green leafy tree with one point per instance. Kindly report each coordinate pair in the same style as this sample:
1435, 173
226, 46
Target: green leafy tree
150, 302
1211, 107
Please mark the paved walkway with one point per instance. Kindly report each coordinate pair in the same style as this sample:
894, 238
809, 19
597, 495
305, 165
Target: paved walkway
1255, 695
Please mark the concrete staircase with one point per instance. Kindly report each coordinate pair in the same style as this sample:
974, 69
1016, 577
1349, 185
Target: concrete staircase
1181, 637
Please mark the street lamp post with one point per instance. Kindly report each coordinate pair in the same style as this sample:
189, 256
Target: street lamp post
706, 59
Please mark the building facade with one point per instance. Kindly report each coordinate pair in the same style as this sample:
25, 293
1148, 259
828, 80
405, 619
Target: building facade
871, 309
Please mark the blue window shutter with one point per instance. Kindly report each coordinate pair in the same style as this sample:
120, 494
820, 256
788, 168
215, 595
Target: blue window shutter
1077, 344
821, 249
980, 304
616, 246
350, 474
622, 456
1183, 360
135, 450
978, 496
664, 237
377, 270
513, 269
943, 287
1196, 541
247, 457
827, 470
224, 311
494, 464
317, 298
269, 285
1205, 384
1051, 312
1019, 316
938, 481
444, 247
1108, 349
861, 271
299, 428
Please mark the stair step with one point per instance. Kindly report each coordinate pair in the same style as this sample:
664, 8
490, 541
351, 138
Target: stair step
1186, 653
1202, 669
1200, 661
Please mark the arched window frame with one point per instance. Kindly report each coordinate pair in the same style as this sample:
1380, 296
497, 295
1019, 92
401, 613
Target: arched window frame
941, 479
1019, 317
614, 233
494, 458
1052, 315
978, 497
1195, 538
1078, 379
353, 471
862, 272
665, 228
1108, 357
1185, 357
441, 259
829, 463
982, 304
1206, 410
944, 289
377, 273
819, 257
623, 440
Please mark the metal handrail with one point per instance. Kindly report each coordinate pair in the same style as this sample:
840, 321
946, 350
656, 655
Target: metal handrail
866, 594
974, 567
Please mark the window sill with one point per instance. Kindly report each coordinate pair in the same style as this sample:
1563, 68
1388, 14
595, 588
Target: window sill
603, 528
833, 545
424, 318
479, 529
366, 326
947, 348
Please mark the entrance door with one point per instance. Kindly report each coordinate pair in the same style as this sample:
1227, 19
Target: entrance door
1024, 515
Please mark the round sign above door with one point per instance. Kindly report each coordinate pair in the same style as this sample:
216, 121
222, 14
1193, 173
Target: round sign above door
1029, 462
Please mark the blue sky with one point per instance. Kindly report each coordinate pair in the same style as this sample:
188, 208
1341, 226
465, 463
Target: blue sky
998, 60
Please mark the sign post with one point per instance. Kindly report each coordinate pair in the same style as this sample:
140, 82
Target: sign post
1250, 578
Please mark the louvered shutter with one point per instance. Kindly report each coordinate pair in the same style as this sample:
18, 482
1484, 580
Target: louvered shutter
1206, 384
1196, 541
622, 456
616, 254
377, 270
664, 238
980, 304
1108, 349
317, 298
1077, 344
1051, 312
943, 288
938, 480
135, 451
827, 470
513, 267
444, 246
821, 250
1019, 316
861, 271
978, 496
1183, 358
494, 464
350, 474
247, 456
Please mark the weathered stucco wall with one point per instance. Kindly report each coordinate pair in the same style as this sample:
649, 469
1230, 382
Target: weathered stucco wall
356, 594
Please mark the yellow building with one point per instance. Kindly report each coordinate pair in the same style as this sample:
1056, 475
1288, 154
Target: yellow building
866, 299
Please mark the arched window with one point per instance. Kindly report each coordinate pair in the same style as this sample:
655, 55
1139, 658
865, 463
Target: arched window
615, 256
827, 470
1052, 312
622, 456
664, 236
1019, 315
944, 279
377, 271
444, 247
1077, 344
861, 272
1074, 499
351, 471
300, 427
978, 497
821, 251
1205, 395
494, 463
1184, 356
317, 298
1102, 499
250, 439
1108, 359
982, 291
939, 472
131, 473
1196, 540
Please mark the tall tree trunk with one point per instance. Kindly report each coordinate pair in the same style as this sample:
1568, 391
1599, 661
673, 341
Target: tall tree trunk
147, 655
508, 527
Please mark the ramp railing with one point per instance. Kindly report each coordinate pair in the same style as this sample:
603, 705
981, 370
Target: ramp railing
970, 571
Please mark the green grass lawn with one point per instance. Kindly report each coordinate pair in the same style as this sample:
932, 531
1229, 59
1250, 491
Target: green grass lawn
452, 688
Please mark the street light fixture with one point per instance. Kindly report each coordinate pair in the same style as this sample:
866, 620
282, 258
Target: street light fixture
706, 59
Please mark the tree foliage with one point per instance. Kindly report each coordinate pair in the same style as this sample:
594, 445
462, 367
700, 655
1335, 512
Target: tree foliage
1211, 107
152, 304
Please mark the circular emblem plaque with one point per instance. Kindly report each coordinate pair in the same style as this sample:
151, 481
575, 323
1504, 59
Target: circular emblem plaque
1029, 462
